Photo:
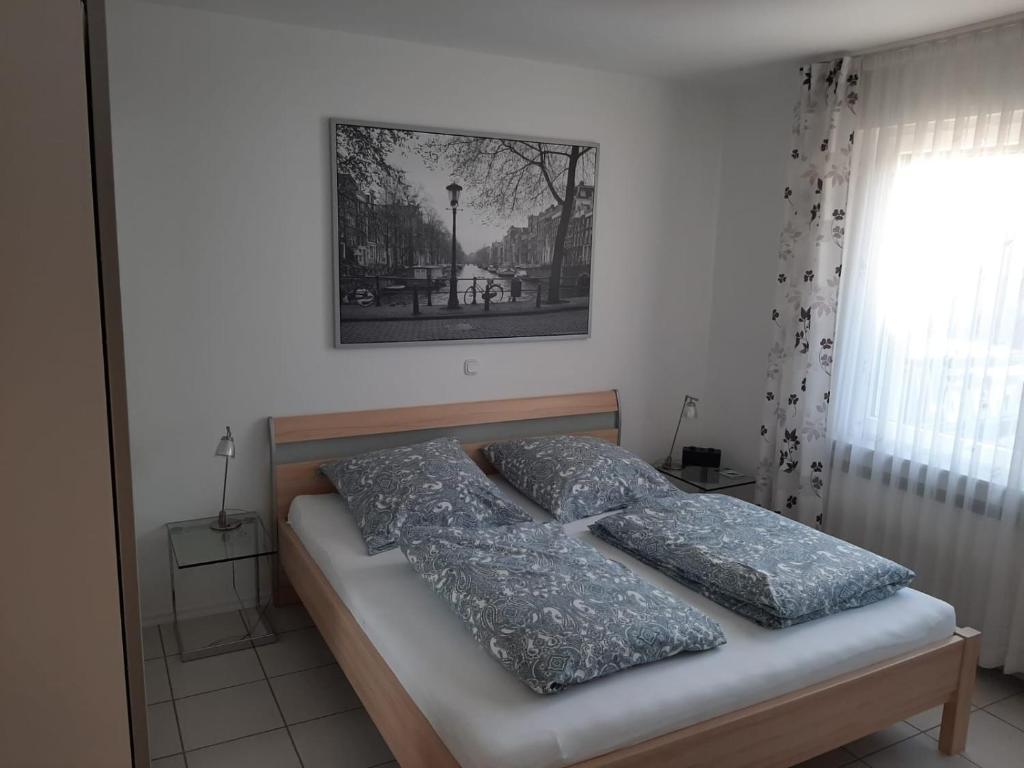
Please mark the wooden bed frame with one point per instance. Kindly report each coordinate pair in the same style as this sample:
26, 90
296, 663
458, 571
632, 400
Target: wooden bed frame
775, 733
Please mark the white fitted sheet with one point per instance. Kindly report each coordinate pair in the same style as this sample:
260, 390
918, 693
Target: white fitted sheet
488, 719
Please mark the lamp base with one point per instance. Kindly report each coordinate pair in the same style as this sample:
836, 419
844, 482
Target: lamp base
224, 523
668, 463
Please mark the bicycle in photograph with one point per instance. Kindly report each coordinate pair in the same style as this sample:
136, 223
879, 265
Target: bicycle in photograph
359, 291
491, 293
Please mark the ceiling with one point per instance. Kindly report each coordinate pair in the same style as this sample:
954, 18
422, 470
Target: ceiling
668, 38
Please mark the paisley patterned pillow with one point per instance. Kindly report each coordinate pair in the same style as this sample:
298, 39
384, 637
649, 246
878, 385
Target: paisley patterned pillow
432, 483
550, 609
771, 569
576, 477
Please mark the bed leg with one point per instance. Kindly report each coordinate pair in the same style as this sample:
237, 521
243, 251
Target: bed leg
956, 713
285, 596
284, 593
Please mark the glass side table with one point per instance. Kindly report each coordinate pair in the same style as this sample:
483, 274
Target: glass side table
708, 480
191, 544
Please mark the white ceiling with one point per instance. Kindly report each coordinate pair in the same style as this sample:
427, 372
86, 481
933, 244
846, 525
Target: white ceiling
672, 38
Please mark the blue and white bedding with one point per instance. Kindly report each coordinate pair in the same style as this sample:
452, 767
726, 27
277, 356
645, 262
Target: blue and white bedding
488, 719
550, 609
751, 560
575, 476
431, 483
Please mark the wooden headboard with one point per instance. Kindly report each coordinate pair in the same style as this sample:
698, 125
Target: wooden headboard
332, 435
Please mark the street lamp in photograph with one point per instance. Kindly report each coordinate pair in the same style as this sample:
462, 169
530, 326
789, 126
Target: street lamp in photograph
453, 195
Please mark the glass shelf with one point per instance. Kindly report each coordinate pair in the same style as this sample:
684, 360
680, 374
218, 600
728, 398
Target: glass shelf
707, 479
194, 543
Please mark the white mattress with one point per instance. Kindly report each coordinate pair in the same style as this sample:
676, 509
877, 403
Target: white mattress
488, 719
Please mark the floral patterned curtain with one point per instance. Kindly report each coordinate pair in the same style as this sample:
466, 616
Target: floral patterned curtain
794, 450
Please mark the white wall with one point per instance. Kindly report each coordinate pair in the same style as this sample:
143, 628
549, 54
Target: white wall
222, 173
756, 110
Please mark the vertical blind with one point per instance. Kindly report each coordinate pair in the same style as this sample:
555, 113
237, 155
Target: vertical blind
927, 418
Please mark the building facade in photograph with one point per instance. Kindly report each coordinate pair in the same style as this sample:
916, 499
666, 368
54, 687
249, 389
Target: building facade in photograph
387, 234
533, 245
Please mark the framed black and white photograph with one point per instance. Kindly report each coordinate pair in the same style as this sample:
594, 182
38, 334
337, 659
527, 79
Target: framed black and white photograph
442, 236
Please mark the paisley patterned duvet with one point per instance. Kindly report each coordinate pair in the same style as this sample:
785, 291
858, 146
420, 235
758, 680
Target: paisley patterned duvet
550, 609
753, 561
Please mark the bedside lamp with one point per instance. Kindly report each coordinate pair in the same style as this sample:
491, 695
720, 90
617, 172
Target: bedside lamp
225, 448
689, 411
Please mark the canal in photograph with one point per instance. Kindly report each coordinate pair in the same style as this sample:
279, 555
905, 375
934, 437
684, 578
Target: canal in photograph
503, 290
365, 296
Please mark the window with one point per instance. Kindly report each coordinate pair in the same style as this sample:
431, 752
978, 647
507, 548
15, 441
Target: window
932, 355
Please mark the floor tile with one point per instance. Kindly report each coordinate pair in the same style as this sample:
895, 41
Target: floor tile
294, 651
157, 689
991, 743
206, 630
928, 719
313, 693
265, 750
213, 672
882, 739
175, 761
163, 730
1011, 710
256, 624
151, 646
348, 740
169, 640
918, 752
219, 716
991, 685
834, 759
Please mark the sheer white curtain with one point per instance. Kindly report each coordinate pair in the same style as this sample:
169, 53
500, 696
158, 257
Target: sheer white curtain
926, 420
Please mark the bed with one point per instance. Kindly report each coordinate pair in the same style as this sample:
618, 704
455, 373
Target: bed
767, 698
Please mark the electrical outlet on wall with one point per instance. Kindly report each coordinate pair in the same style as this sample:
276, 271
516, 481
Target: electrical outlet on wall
471, 367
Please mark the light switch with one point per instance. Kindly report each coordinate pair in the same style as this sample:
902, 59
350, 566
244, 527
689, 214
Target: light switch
471, 367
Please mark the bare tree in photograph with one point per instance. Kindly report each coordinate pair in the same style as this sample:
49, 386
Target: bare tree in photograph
507, 173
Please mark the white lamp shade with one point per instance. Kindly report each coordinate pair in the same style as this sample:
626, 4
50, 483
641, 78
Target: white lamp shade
226, 446
690, 408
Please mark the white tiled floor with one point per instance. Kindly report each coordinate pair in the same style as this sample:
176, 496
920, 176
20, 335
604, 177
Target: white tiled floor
288, 705
283, 705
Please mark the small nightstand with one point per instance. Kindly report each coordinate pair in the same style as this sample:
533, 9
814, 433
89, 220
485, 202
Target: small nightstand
191, 544
707, 480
